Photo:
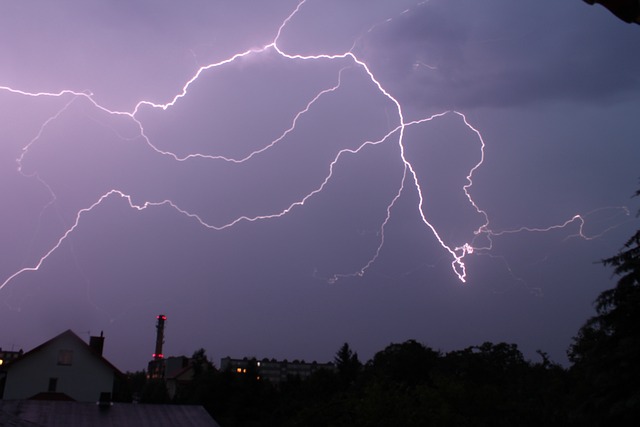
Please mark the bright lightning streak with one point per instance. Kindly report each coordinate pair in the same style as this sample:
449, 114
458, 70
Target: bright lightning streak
255, 152
578, 219
409, 176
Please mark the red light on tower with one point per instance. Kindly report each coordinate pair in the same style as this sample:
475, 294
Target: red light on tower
156, 366
159, 337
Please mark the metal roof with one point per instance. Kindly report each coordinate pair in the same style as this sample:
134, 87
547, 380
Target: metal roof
69, 414
9, 420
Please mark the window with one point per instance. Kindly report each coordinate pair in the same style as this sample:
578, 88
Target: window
65, 357
53, 384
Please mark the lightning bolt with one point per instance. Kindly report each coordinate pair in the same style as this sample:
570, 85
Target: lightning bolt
396, 135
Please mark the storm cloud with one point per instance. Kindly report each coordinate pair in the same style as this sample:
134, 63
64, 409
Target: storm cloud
264, 202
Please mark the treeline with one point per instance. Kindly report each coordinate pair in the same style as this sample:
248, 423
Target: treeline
406, 384
410, 384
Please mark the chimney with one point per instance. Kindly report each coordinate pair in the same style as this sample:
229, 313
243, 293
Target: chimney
159, 337
97, 343
105, 401
156, 366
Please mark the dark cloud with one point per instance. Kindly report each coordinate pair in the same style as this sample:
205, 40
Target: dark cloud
502, 53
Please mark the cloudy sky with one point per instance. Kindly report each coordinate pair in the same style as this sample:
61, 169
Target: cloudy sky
279, 178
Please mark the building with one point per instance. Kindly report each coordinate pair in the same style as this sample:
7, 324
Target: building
63, 368
178, 373
273, 370
7, 356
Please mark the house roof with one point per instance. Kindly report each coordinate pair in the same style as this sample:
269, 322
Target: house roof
10, 420
70, 334
184, 373
70, 414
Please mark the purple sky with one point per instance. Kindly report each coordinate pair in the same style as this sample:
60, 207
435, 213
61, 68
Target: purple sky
274, 209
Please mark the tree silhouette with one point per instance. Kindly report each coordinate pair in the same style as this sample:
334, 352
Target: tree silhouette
606, 351
409, 363
348, 364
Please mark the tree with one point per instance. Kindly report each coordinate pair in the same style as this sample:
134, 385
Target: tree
409, 363
348, 364
606, 352
200, 362
130, 387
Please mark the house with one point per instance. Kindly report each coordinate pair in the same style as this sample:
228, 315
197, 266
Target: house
63, 368
179, 372
178, 375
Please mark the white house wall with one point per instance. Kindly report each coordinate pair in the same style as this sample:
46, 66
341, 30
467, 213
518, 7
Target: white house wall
83, 380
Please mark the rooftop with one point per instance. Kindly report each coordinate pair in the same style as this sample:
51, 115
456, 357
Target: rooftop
32, 413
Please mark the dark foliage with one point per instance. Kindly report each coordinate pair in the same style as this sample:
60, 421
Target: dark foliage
405, 384
348, 364
606, 351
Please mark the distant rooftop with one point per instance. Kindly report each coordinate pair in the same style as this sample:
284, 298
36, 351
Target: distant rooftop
32, 413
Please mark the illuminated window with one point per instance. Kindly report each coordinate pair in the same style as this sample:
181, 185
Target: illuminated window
239, 370
65, 357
